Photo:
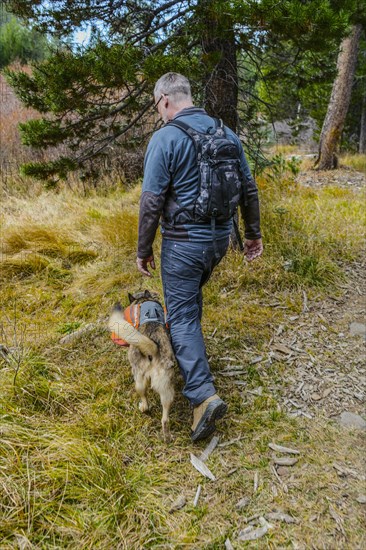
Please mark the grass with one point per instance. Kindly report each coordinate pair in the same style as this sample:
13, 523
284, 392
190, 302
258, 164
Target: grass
80, 467
355, 161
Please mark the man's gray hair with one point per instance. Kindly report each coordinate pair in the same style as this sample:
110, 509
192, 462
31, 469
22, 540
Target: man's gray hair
175, 85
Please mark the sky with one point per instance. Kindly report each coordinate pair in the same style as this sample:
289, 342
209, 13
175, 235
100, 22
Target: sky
82, 36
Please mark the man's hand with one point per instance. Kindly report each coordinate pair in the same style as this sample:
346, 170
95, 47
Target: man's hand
253, 249
142, 264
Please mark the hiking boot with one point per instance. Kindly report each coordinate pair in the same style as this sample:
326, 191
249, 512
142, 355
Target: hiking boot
204, 416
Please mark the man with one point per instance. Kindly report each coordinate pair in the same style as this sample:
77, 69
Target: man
190, 251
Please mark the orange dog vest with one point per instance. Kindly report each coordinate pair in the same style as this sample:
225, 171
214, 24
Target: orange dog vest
138, 314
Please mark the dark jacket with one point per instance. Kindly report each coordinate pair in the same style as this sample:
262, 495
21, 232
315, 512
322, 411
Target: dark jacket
171, 173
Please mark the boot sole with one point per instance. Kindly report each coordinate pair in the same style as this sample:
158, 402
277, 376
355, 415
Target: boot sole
206, 426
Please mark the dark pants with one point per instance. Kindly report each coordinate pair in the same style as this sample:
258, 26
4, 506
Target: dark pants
185, 268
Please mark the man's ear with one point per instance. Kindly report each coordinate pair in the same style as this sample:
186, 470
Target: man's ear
131, 297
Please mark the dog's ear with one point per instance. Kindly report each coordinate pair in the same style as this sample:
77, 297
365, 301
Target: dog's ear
131, 297
147, 294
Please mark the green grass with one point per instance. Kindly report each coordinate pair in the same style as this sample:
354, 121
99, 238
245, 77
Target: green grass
80, 467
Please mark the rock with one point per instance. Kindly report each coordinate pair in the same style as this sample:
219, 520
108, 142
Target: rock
283, 471
178, 504
352, 420
316, 396
358, 329
361, 499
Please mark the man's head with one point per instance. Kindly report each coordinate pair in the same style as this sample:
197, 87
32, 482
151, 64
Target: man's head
172, 93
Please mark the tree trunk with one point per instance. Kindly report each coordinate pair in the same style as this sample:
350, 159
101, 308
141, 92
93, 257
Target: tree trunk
362, 144
221, 75
219, 57
339, 101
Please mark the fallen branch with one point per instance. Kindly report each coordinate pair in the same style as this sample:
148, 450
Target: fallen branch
77, 333
285, 461
281, 449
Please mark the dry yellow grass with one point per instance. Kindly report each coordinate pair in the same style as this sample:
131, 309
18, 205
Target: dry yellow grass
80, 467
356, 161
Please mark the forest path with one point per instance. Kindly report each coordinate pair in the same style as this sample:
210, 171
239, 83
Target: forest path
326, 343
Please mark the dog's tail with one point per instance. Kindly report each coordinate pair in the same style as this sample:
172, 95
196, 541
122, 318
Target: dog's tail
122, 328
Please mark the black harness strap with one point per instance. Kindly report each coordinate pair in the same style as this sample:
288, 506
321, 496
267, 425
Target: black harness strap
237, 235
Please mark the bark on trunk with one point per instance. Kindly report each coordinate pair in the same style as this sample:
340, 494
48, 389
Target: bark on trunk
362, 144
221, 77
339, 101
219, 54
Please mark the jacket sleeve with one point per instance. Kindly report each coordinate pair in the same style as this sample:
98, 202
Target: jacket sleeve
249, 204
154, 189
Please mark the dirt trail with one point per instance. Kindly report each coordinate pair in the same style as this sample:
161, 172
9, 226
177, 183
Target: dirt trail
326, 343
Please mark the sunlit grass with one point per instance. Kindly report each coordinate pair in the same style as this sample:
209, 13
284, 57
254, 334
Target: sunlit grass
356, 161
80, 467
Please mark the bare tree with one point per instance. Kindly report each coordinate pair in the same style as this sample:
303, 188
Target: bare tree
339, 100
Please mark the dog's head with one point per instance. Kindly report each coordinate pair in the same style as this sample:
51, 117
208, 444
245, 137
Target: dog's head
144, 296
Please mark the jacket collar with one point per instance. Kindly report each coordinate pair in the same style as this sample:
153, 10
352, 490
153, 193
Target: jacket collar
189, 111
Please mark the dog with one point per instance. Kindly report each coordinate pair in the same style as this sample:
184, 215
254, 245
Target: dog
150, 353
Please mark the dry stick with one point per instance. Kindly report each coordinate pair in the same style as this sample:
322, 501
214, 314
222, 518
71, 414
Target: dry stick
198, 492
280, 516
282, 449
285, 460
254, 534
228, 545
231, 441
283, 485
305, 308
255, 489
77, 333
208, 450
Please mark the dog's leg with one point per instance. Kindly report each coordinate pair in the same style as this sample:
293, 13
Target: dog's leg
166, 402
161, 382
141, 386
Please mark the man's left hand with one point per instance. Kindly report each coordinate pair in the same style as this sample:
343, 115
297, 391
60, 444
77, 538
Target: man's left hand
253, 249
142, 265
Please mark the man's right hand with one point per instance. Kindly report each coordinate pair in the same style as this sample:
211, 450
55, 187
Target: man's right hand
142, 265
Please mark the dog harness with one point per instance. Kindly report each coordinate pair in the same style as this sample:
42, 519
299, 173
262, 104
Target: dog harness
139, 314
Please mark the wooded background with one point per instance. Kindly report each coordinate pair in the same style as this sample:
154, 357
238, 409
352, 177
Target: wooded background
251, 62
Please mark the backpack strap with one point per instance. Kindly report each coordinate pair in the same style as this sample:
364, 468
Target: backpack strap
237, 234
195, 135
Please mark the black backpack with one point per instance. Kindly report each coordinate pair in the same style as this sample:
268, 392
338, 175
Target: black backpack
221, 181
